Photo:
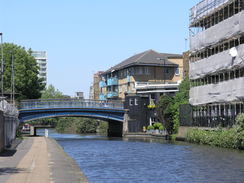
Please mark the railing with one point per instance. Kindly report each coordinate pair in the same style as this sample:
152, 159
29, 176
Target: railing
69, 103
156, 84
204, 7
112, 81
112, 94
102, 84
102, 97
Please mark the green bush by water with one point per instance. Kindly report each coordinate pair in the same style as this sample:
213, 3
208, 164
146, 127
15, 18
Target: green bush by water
227, 138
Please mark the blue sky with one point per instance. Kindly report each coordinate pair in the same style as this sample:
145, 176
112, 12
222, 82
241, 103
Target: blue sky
86, 36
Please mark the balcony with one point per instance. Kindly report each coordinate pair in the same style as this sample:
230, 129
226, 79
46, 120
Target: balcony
102, 84
112, 94
102, 97
128, 79
112, 81
152, 87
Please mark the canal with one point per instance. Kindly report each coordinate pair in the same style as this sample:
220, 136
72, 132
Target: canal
105, 160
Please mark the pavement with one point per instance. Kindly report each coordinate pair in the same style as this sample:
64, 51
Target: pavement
39, 160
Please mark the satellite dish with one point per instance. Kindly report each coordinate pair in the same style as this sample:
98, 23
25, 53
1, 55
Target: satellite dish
233, 52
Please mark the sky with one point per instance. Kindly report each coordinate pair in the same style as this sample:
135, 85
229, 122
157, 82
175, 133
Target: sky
82, 37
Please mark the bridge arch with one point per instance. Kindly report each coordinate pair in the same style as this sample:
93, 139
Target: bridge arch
113, 112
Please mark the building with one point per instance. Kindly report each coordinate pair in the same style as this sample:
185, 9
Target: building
91, 93
94, 88
148, 73
186, 60
217, 61
79, 95
140, 80
41, 59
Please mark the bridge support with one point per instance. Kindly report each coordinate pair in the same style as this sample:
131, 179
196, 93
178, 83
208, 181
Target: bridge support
125, 123
115, 129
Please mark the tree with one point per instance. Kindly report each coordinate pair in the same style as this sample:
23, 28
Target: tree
51, 93
164, 112
27, 83
168, 107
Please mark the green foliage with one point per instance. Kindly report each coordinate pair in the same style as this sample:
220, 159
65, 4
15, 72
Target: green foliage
240, 121
86, 125
168, 107
81, 125
158, 126
150, 127
161, 128
51, 93
151, 106
27, 83
102, 128
227, 138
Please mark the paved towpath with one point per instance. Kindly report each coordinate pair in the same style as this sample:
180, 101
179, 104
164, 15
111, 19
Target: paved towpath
39, 160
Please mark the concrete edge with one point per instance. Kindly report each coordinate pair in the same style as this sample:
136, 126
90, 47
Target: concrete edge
78, 173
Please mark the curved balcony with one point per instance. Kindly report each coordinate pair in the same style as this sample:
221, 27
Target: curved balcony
102, 97
112, 94
102, 84
112, 81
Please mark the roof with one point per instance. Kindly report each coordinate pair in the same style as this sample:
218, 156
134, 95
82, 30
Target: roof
146, 58
171, 55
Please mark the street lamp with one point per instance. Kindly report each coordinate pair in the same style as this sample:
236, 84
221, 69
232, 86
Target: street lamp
12, 78
1, 34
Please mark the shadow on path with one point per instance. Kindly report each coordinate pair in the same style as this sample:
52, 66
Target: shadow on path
10, 170
12, 149
7, 153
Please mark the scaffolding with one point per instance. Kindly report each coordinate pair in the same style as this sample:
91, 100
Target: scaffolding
204, 8
216, 62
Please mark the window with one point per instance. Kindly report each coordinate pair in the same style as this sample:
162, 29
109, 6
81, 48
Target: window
136, 101
131, 102
166, 70
177, 71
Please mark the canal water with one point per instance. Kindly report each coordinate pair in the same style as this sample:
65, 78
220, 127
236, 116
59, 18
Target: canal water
105, 160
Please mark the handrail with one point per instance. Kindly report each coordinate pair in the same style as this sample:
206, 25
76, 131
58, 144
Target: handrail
69, 103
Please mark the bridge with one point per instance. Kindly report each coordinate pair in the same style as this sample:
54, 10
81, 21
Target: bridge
111, 111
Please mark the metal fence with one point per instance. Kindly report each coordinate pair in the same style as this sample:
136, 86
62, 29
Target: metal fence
8, 123
213, 115
69, 103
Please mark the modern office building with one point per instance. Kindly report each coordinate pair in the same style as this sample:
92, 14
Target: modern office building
41, 59
148, 73
217, 61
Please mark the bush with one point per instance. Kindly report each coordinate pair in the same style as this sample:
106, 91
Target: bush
150, 127
157, 125
222, 138
161, 128
230, 138
240, 121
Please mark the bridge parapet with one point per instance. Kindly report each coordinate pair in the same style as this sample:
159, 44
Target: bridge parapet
69, 103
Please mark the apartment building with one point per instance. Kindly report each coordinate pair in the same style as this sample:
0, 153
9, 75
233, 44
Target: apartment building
41, 59
148, 73
217, 61
94, 88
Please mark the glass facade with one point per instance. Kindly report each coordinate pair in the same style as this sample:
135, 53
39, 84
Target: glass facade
41, 59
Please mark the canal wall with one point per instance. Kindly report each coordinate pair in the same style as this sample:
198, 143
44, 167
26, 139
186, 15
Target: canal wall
62, 167
8, 124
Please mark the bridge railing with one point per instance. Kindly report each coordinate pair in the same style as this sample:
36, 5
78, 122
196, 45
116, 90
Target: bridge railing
69, 103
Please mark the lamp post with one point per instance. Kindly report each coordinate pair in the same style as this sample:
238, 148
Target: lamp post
12, 78
1, 34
